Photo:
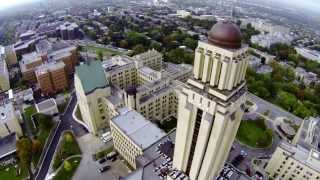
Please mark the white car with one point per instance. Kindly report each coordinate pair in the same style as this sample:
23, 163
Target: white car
230, 173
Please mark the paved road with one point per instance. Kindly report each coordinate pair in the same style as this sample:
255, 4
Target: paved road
66, 123
275, 111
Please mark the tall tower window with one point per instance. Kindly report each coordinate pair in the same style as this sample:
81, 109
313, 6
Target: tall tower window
194, 138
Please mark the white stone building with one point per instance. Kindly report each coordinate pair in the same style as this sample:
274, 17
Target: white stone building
210, 108
301, 159
132, 134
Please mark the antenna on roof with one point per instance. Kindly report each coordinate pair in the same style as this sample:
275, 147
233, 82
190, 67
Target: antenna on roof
233, 11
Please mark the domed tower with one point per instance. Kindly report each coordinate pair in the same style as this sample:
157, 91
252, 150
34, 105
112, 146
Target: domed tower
211, 107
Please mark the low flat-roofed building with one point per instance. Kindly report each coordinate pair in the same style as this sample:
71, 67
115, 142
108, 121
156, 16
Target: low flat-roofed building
179, 72
47, 107
8, 146
151, 159
301, 159
308, 54
148, 75
9, 122
132, 134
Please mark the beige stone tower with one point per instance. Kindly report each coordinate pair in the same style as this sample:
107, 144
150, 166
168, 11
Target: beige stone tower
211, 107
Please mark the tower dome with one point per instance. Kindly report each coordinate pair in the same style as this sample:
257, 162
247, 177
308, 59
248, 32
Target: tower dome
225, 34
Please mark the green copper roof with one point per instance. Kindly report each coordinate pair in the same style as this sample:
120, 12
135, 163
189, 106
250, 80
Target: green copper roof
92, 76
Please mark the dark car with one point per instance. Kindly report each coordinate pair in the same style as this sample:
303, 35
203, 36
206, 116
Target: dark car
237, 160
103, 169
103, 160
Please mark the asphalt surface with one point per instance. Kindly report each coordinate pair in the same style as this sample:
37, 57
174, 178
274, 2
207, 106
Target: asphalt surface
275, 111
66, 123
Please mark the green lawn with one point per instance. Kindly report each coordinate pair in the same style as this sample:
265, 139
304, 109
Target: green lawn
65, 174
254, 133
106, 51
45, 125
68, 146
10, 173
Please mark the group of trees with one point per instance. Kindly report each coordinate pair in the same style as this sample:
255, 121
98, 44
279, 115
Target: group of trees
248, 32
137, 34
28, 149
279, 88
286, 52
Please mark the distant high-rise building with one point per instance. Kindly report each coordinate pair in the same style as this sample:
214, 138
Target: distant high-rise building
211, 107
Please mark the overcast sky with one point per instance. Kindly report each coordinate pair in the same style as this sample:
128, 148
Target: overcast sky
310, 4
9, 3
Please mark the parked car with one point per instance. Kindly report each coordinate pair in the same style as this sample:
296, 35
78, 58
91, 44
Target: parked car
103, 169
111, 155
103, 160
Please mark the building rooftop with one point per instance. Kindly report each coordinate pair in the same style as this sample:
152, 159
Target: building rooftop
44, 68
92, 76
116, 62
309, 157
46, 104
6, 112
7, 145
150, 160
309, 133
44, 46
146, 55
153, 75
141, 131
225, 34
30, 58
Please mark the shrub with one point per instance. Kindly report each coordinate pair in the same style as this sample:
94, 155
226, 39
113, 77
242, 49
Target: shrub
67, 165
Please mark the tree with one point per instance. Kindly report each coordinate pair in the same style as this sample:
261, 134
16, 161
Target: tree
24, 150
45, 121
99, 55
36, 146
67, 165
68, 138
302, 111
190, 43
155, 45
123, 44
287, 100
138, 49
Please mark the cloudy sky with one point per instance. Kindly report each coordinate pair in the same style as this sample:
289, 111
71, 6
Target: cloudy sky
9, 3
310, 4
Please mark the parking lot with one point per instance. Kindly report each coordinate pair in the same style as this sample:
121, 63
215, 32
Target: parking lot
88, 168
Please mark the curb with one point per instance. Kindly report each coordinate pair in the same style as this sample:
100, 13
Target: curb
78, 120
